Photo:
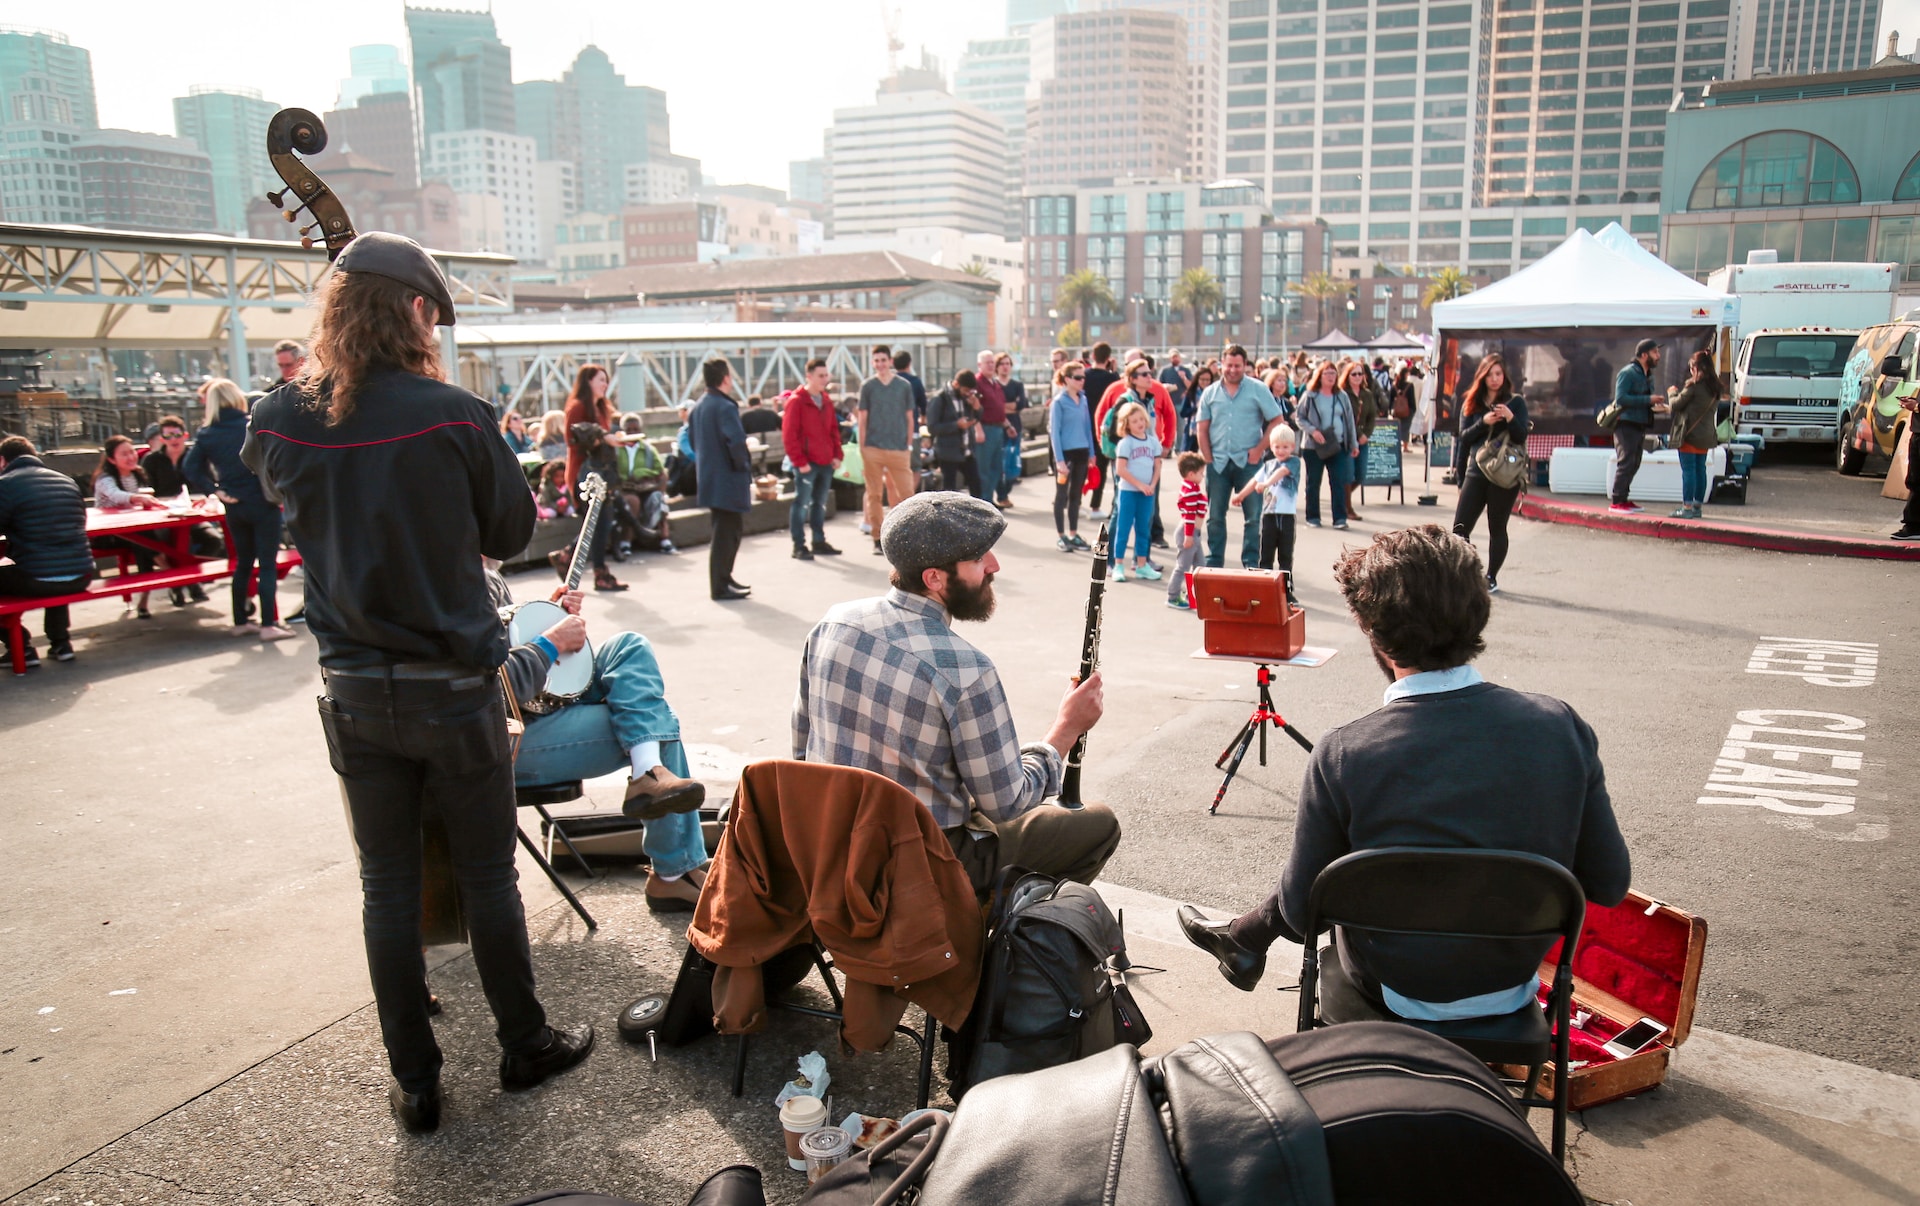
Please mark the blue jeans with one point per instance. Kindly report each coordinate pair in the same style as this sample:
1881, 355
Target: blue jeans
255, 528
810, 495
1338, 471
625, 706
1693, 478
1223, 478
1133, 515
990, 454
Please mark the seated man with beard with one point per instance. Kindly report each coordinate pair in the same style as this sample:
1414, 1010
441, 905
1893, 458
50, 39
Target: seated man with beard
886, 685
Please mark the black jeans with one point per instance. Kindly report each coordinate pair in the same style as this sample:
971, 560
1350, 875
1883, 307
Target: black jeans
601, 538
725, 547
18, 582
1477, 494
1066, 495
255, 528
962, 476
1276, 544
1104, 464
401, 747
1629, 444
1910, 514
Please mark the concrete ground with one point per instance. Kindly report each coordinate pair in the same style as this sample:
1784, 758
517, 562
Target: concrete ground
186, 1013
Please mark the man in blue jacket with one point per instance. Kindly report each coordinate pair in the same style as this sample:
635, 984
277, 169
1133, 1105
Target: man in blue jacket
1633, 392
726, 475
44, 520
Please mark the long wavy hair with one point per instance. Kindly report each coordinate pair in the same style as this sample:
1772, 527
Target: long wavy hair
367, 324
1481, 396
600, 412
1702, 362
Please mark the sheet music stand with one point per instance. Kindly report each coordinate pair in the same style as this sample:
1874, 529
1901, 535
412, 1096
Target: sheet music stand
1264, 714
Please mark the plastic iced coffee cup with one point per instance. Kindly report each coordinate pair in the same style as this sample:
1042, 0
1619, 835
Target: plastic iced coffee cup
822, 1149
799, 1116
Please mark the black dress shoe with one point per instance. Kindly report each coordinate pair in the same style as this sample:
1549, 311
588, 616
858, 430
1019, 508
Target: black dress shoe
742, 587
730, 595
564, 1049
1242, 967
419, 1113
800, 553
823, 549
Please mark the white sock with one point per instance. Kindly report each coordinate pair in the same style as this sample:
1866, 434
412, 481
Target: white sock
667, 879
646, 756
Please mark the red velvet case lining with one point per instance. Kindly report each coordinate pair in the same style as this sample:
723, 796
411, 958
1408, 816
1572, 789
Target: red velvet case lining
1630, 954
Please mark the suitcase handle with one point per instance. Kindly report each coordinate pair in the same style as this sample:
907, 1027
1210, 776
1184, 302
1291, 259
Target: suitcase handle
1235, 611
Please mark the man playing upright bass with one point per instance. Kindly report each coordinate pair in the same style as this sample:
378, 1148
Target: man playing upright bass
395, 485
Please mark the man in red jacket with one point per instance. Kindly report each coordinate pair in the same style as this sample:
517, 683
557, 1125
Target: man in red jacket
811, 431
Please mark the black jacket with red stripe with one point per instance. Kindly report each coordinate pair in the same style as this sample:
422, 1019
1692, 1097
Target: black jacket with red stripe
392, 510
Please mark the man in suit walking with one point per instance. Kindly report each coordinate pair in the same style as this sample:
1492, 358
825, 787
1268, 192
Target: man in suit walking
726, 475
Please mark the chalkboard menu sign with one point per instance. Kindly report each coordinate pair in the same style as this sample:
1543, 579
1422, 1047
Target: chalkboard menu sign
1380, 459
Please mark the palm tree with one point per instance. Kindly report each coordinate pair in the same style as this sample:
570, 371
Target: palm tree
1197, 291
978, 267
1069, 336
1447, 284
1322, 287
1085, 290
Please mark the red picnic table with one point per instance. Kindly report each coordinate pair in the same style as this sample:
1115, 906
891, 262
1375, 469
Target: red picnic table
168, 533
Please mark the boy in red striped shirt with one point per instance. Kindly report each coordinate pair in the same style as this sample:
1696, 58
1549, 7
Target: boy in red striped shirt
1192, 505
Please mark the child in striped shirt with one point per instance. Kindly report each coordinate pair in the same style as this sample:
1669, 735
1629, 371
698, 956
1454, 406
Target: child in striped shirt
1192, 505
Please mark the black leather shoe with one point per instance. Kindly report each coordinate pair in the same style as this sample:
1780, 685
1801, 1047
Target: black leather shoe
1242, 967
800, 553
730, 595
418, 1112
563, 1050
742, 587
822, 549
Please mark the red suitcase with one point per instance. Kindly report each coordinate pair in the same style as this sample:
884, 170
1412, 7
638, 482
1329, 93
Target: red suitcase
1245, 613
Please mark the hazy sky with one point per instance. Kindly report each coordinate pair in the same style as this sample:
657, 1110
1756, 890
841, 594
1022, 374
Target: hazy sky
751, 84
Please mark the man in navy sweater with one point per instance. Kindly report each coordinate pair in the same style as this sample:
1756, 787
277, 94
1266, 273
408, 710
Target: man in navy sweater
1449, 761
44, 520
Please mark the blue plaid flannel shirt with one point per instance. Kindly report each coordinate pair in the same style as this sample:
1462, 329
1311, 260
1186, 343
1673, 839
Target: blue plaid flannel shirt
887, 686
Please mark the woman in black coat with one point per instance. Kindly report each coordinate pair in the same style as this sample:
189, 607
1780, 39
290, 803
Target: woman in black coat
1489, 409
213, 466
953, 416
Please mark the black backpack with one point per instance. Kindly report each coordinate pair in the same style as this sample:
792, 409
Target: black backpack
1052, 990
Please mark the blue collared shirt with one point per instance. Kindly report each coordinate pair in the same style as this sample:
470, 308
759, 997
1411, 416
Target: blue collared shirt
1237, 421
1487, 1004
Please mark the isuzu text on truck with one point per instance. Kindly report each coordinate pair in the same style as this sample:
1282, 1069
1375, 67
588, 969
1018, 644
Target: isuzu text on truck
1798, 323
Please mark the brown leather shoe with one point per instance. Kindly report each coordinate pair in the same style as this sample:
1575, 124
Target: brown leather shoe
660, 792
603, 580
675, 895
561, 560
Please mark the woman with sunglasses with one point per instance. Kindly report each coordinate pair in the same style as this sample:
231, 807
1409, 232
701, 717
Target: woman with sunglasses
953, 418
1070, 431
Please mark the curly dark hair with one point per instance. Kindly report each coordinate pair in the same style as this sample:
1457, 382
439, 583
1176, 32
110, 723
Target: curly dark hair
1420, 595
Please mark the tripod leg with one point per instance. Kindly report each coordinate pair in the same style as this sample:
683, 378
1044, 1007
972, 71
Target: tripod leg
1233, 768
1297, 736
1239, 742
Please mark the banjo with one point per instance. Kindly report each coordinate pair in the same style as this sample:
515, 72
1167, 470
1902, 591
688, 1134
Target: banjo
569, 677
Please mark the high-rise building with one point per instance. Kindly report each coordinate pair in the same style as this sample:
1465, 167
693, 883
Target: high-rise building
1022, 13
1142, 235
1799, 37
65, 69
657, 183
600, 123
488, 163
555, 199
46, 103
376, 69
1206, 65
993, 75
145, 181
1107, 97
807, 180
462, 72
230, 126
380, 127
921, 158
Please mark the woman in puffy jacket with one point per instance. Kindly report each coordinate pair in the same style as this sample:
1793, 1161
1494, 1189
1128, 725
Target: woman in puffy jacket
213, 466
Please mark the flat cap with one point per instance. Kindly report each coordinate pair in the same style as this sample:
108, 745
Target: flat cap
399, 258
939, 527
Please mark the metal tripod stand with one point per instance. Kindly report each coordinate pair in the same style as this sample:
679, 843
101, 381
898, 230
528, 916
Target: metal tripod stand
1264, 714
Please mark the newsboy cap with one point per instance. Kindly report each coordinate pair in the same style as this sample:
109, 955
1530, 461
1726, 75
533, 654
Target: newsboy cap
939, 528
399, 258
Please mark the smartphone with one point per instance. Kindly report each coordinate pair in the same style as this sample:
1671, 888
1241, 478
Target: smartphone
1635, 1038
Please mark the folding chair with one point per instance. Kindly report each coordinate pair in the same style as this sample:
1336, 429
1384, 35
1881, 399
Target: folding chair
537, 796
1489, 894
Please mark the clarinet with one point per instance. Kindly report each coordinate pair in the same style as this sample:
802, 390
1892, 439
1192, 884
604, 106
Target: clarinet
1089, 661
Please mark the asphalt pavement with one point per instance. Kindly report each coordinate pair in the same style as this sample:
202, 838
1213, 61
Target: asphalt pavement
181, 938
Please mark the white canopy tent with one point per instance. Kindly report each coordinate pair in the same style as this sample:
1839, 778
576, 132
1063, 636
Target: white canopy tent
1585, 282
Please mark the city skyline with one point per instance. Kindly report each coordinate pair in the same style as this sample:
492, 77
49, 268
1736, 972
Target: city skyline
718, 118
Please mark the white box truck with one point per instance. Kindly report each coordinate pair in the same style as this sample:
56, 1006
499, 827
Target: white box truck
1798, 323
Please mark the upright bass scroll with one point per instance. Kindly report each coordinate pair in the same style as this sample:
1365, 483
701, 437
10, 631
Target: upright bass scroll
298, 130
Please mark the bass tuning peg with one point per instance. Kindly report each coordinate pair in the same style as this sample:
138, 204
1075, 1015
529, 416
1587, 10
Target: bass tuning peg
275, 197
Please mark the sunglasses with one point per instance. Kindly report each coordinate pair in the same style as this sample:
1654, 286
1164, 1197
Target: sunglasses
1076, 376
173, 435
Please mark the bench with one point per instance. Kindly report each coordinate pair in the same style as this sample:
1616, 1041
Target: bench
117, 586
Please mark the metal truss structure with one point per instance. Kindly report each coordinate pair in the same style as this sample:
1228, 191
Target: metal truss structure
531, 368
80, 287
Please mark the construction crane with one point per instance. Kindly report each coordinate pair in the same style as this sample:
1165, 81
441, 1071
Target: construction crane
890, 19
